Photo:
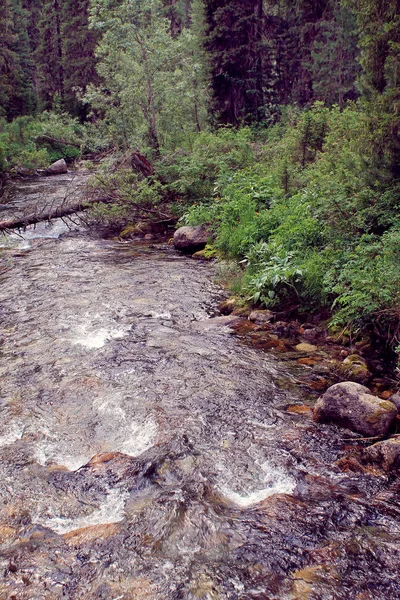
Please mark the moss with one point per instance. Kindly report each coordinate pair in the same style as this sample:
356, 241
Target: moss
208, 253
128, 231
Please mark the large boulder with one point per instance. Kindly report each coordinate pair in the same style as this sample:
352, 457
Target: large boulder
57, 168
191, 239
352, 405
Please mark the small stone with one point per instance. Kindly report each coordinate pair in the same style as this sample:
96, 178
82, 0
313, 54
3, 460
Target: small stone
349, 404
308, 362
386, 395
261, 316
310, 335
304, 347
299, 409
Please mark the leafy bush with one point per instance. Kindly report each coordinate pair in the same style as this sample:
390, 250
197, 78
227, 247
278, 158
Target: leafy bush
309, 224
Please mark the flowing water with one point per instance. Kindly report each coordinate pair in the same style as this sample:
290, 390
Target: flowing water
146, 453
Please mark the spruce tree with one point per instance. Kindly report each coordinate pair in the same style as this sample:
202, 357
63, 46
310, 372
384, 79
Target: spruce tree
379, 30
234, 43
78, 58
49, 55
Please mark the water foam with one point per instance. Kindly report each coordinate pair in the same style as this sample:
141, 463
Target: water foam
274, 480
111, 510
14, 434
97, 338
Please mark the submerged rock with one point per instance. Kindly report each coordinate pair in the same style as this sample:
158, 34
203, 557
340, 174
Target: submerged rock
352, 405
57, 168
190, 239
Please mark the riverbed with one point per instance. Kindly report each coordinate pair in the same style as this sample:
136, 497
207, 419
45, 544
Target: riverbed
147, 453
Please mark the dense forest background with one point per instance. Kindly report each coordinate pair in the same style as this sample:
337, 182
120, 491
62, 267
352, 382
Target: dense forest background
259, 55
274, 123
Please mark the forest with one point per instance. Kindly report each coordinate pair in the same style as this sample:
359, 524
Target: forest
275, 124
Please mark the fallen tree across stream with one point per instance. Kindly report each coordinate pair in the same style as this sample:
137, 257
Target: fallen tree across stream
66, 210
21, 222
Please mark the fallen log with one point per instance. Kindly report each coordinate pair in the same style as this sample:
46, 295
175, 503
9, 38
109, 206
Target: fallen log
54, 142
66, 210
53, 213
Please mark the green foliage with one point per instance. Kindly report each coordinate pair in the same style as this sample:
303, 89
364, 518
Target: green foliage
25, 141
214, 157
308, 222
153, 93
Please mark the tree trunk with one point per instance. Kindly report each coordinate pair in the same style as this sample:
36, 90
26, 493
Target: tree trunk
53, 213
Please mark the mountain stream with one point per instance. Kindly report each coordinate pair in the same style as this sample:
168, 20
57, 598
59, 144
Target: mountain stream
146, 453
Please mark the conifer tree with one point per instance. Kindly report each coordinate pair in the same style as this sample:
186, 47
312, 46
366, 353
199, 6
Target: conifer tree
234, 42
78, 53
49, 54
379, 30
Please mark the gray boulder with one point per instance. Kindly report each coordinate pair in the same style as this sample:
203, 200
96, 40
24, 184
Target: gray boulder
352, 405
191, 239
57, 168
386, 454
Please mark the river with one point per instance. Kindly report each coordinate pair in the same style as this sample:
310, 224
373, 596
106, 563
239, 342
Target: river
146, 452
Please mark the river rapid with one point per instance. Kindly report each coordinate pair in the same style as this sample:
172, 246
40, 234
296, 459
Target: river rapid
146, 453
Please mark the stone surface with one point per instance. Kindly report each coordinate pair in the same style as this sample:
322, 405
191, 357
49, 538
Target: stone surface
386, 454
395, 399
306, 347
57, 168
226, 307
349, 404
355, 368
190, 239
310, 335
261, 316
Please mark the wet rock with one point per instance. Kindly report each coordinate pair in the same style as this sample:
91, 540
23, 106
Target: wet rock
308, 362
286, 330
90, 534
227, 306
299, 409
355, 368
261, 317
395, 399
216, 323
386, 454
57, 168
349, 404
190, 239
386, 395
308, 348
313, 334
